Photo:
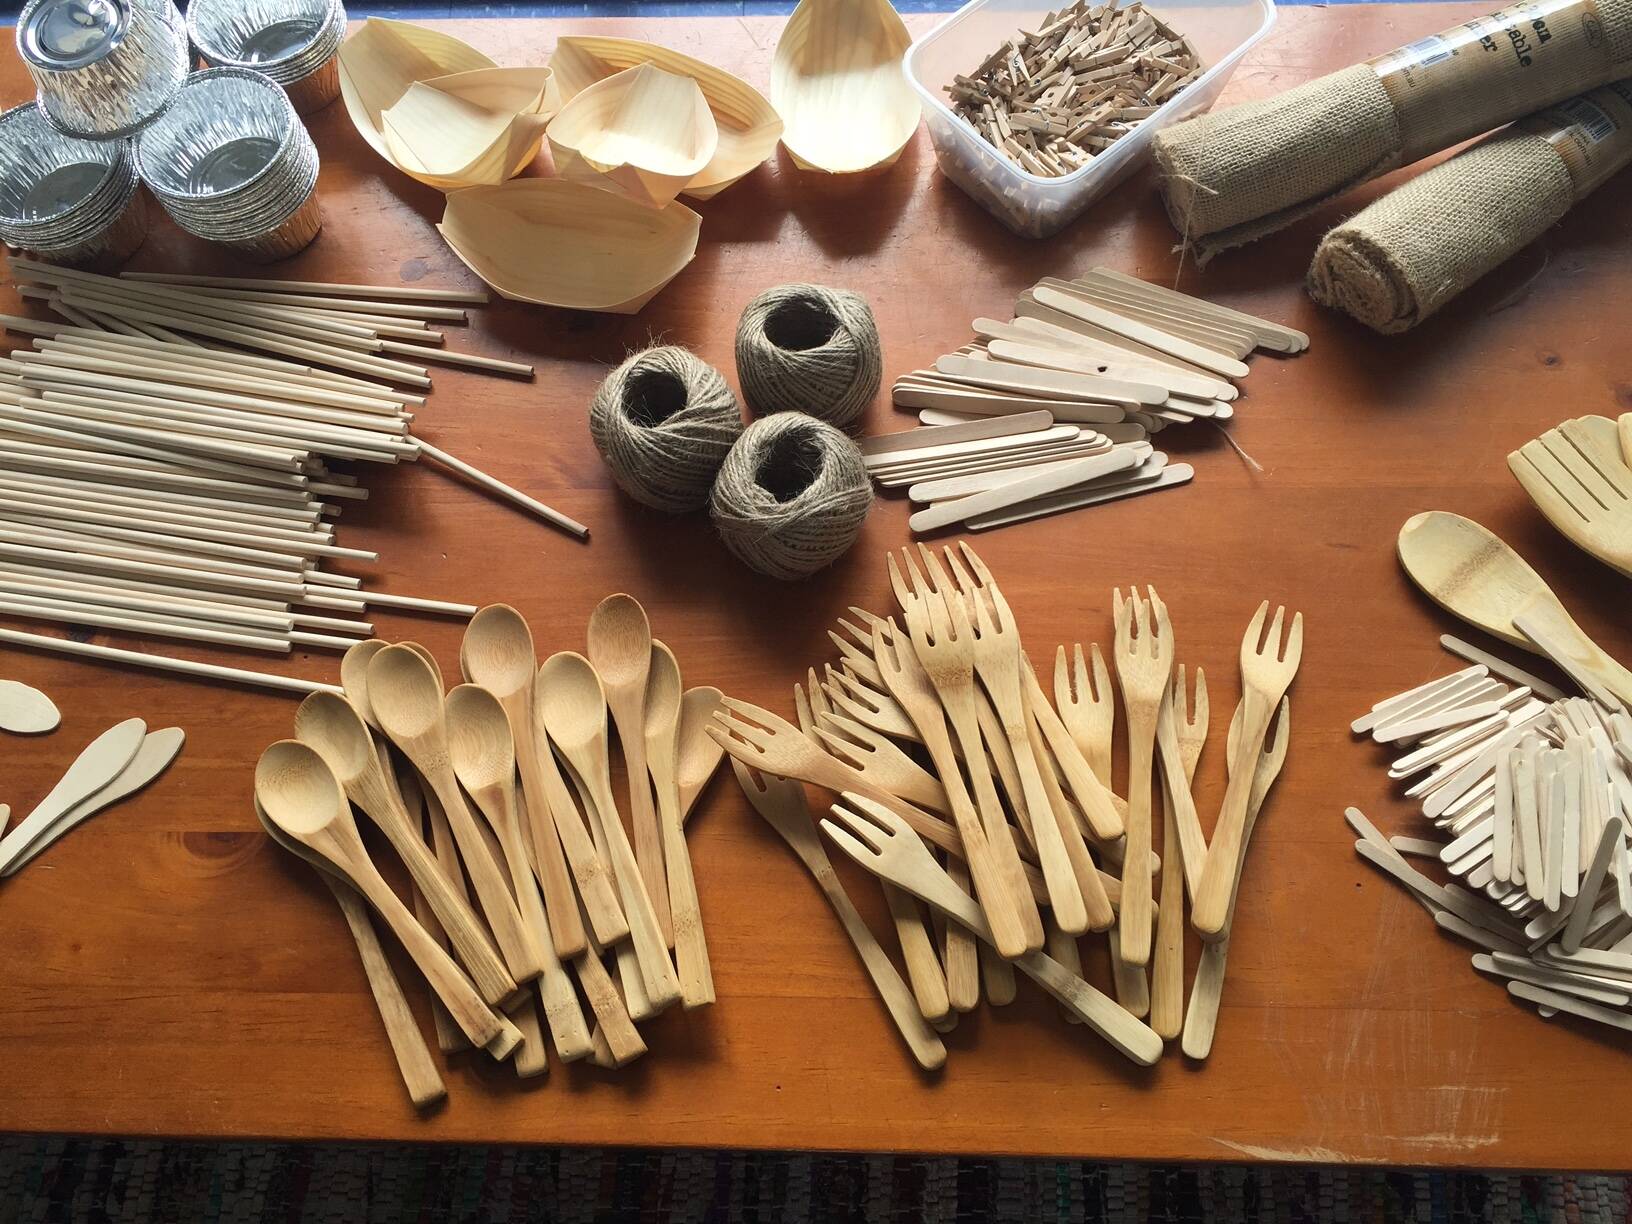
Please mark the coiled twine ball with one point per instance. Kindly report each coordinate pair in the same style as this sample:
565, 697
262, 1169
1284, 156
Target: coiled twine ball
792, 495
664, 421
806, 348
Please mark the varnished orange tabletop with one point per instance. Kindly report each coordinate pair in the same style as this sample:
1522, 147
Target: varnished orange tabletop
165, 970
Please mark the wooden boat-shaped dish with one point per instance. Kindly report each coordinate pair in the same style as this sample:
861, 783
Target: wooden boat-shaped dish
748, 125
439, 110
559, 243
838, 83
646, 131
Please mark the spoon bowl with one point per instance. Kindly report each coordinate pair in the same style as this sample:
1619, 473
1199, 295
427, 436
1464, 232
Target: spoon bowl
335, 729
571, 701
354, 677
300, 792
479, 741
497, 652
698, 754
405, 693
620, 641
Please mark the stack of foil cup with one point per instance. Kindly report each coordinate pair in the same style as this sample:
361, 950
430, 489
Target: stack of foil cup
104, 68
295, 42
231, 161
66, 199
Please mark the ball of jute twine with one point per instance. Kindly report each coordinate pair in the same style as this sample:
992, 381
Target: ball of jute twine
806, 348
664, 421
792, 495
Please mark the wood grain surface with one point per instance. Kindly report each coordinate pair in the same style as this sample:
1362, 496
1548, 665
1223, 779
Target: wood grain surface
166, 970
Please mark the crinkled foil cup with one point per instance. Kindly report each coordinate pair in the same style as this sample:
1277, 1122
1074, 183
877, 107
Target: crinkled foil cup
66, 199
294, 42
104, 68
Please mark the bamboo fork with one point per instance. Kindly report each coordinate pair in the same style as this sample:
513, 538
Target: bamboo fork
1266, 674
908, 676
1180, 734
1167, 979
930, 986
1144, 662
995, 652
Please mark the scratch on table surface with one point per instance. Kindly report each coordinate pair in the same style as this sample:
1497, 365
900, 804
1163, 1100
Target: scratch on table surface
1301, 1155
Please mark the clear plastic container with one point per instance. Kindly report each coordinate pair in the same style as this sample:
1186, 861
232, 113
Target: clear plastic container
1222, 32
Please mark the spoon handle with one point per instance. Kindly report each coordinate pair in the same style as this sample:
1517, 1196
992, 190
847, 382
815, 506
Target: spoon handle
419, 1073
566, 926
493, 893
690, 945
657, 972
458, 995
649, 840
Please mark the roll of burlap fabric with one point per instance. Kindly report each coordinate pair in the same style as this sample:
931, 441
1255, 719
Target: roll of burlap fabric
1238, 174
1404, 256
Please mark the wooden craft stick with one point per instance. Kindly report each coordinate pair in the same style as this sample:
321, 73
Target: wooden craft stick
917, 439
1048, 384
1294, 340
1171, 476
1029, 488
406, 293
953, 487
1033, 318
994, 470
963, 398
1227, 342
1565, 1003
1195, 354
1501, 667
1080, 350
950, 452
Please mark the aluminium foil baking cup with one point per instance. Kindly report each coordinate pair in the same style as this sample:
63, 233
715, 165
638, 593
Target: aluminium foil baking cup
231, 161
66, 199
104, 68
295, 42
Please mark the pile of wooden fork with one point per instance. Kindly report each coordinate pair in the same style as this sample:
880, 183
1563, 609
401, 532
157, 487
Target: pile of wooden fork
955, 769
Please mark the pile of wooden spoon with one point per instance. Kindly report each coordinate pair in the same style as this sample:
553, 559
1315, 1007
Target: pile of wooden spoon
506, 781
964, 787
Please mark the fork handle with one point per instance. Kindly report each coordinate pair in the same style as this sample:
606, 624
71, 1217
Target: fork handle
1097, 1010
1222, 870
1135, 921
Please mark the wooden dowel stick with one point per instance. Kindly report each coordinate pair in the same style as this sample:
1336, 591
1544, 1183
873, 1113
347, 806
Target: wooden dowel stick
144, 585
357, 306
503, 490
108, 597
411, 603
205, 541
211, 671
189, 575
69, 612
120, 440
407, 293
475, 361
103, 468
276, 523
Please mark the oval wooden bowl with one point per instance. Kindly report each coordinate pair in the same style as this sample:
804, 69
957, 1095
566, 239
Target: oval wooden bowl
439, 110
838, 83
560, 243
646, 131
748, 125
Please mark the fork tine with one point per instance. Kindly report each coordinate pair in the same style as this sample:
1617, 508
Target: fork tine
749, 778
1272, 640
1255, 631
1181, 695
856, 632
1164, 625
1199, 709
858, 732
1141, 619
898, 583
1293, 654
1538, 472
1281, 733
976, 564
1580, 465
732, 740
741, 729
850, 844
880, 816
1102, 676
865, 617
1066, 690
1121, 618
842, 748
939, 581
966, 580
803, 711
813, 686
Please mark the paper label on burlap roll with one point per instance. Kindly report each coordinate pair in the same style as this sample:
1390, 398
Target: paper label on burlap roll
1489, 71
1592, 133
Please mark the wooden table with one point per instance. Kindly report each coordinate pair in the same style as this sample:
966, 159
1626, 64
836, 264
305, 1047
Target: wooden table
165, 970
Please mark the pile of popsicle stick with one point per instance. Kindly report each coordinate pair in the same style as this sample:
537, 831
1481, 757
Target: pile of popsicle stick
156, 484
1527, 793
1053, 409
564, 932
961, 784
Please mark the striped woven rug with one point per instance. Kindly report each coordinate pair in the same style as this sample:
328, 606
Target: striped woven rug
84, 1181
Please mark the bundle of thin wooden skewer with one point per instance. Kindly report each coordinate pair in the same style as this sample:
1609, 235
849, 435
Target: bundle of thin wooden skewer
159, 484
954, 769
567, 926
1053, 409
1526, 793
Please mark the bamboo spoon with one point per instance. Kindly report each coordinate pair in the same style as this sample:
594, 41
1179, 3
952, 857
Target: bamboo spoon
437, 834
407, 699
1472, 574
354, 678
573, 707
662, 714
697, 755
1201, 1020
783, 806
300, 795
880, 841
414, 1062
333, 728
483, 757
620, 650
1144, 663
153, 757
92, 772
1266, 674
1167, 978
25, 710
497, 653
